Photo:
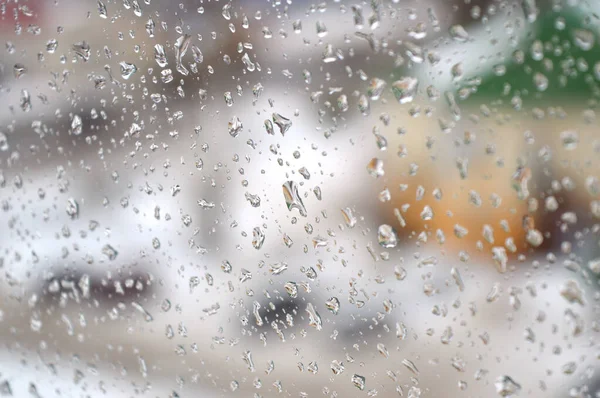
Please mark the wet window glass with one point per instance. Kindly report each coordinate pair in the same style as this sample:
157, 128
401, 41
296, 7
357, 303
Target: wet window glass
252, 198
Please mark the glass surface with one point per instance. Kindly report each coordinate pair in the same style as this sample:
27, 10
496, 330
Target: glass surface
300, 199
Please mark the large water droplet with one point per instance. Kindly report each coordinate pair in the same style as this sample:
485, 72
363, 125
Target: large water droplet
458, 33
127, 69
506, 387
292, 198
358, 381
234, 127
283, 123
386, 236
405, 89
160, 56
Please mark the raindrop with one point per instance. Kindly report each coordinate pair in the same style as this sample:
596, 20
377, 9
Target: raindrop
333, 305
405, 89
76, 125
584, 39
458, 33
258, 238
313, 317
375, 168
234, 127
531, 10
292, 198
358, 381
386, 236
376, 87
160, 56
102, 10
127, 69
281, 122
19, 70
507, 387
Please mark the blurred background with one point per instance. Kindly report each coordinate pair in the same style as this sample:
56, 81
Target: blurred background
385, 198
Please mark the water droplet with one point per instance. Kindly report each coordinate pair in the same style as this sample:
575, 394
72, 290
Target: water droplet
333, 305
281, 122
405, 89
376, 87
247, 358
571, 292
500, 258
460, 231
150, 25
258, 238
386, 236
248, 63
228, 98
5, 388
292, 198
349, 217
447, 335
3, 143
570, 139
458, 33
102, 10
337, 367
363, 105
110, 252
321, 29
291, 288
410, 366
584, 39
160, 56
269, 127
427, 213
72, 208
457, 278
382, 350
19, 70
329, 54
530, 10
278, 268
540, 81
234, 127
82, 50
314, 319
147, 316
506, 387
375, 168
414, 52
76, 125
127, 69
25, 101
254, 200
181, 47
358, 381
534, 237
297, 26
51, 46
